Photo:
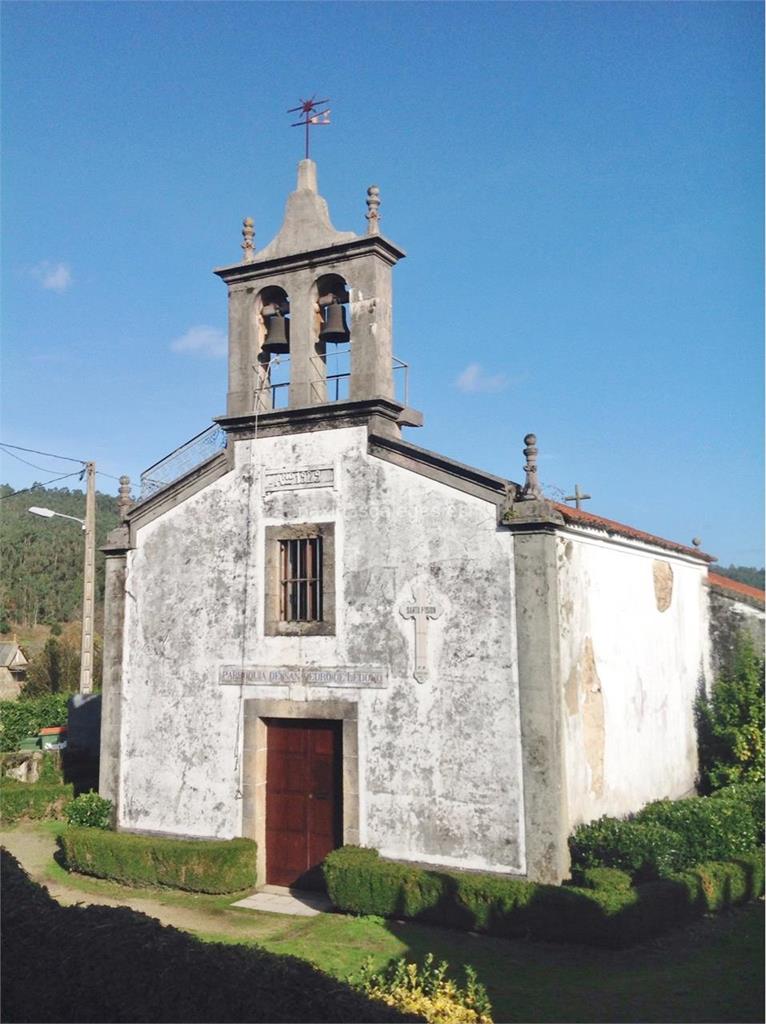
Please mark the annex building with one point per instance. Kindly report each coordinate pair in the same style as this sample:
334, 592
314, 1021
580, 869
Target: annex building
321, 633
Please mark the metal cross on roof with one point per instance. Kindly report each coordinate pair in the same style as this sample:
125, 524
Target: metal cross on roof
311, 116
577, 497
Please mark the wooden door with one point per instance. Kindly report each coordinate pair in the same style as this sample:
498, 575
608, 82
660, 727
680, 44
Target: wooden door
303, 799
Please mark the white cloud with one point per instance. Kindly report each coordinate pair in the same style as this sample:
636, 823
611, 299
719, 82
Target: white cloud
56, 277
202, 341
473, 378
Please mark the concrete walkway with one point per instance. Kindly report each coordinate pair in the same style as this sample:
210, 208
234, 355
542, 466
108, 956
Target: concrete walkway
276, 899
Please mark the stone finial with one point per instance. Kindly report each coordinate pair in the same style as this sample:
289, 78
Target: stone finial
372, 215
697, 542
531, 490
248, 245
124, 501
307, 176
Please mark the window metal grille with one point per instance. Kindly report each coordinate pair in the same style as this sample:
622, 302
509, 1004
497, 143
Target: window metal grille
300, 575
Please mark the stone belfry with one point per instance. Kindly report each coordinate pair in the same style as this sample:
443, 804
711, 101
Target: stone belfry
310, 288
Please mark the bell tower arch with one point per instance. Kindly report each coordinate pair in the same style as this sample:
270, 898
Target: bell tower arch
313, 287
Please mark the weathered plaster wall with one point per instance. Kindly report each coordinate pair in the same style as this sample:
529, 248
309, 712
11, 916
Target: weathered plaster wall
728, 618
634, 647
439, 761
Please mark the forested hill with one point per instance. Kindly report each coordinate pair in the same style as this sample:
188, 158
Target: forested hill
743, 574
42, 559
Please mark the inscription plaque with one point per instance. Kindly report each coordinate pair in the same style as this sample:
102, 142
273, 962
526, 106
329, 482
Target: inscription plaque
367, 677
295, 479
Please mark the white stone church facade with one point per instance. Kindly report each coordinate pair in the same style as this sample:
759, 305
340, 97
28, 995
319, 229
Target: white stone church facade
324, 634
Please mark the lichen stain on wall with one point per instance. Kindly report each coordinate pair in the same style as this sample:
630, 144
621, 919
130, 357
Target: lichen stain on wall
663, 584
584, 696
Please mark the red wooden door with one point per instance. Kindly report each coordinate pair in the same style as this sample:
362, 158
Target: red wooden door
303, 799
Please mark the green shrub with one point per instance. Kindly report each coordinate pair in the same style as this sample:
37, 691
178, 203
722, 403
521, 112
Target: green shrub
751, 793
644, 849
20, 718
37, 800
609, 913
730, 722
197, 865
89, 810
51, 769
708, 829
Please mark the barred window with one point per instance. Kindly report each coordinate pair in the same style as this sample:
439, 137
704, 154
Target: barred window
299, 584
300, 578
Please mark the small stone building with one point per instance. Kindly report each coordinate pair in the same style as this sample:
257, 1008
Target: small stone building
13, 670
319, 633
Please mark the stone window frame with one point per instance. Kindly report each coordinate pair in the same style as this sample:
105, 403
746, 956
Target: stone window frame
273, 625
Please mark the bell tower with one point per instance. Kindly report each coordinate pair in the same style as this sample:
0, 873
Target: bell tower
311, 288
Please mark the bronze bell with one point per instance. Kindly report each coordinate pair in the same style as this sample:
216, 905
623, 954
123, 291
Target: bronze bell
276, 341
334, 326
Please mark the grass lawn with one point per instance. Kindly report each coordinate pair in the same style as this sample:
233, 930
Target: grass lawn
710, 971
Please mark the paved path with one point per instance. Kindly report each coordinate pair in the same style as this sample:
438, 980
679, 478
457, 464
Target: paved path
276, 899
34, 850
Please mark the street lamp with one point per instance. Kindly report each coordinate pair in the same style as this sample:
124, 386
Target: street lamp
89, 574
48, 512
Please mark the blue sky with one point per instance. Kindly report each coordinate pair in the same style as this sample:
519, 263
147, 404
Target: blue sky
578, 188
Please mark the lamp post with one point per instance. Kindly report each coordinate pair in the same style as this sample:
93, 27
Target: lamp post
89, 574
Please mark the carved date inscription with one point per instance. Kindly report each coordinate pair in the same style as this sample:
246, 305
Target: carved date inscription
294, 479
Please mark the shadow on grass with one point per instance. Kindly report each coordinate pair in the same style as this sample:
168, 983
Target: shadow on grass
575, 953
100, 963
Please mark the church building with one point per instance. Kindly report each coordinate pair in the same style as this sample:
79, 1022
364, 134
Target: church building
319, 633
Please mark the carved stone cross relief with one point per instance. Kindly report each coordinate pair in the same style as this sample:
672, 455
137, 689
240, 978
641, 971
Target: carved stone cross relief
421, 609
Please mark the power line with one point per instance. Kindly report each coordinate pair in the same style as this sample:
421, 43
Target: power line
26, 462
49, 455
25, 490
4, 445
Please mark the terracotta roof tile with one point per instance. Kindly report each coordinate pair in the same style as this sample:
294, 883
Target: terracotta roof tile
581, 518
736, 587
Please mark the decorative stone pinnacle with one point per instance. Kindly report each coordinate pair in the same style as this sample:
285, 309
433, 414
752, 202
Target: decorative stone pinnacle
373, 205
248, 246
531, 490
124, 501
697, 542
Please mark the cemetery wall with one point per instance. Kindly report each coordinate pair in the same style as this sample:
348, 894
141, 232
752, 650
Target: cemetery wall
634, 627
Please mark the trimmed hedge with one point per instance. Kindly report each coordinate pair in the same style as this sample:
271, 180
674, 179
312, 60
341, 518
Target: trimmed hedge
709, 829
612, 914
196, 865
646, 850
602, 878
26, 717
32, 800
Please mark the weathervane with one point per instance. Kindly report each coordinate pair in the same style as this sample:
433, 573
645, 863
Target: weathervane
312, 116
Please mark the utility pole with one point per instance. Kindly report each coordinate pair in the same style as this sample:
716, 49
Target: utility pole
89, 582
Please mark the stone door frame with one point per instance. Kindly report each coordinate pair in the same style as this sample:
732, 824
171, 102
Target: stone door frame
256, 710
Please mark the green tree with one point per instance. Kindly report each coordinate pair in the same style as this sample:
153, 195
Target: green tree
42, 559
730, 722
743, 574
56, 669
